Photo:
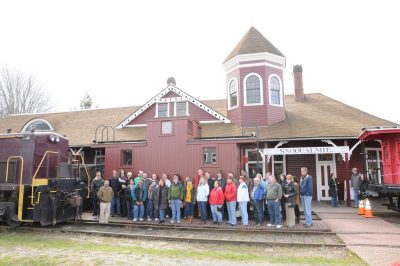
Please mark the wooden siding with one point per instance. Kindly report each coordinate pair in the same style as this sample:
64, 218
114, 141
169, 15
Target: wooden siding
175, 153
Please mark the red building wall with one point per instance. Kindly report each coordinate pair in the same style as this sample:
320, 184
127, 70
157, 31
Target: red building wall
175, 153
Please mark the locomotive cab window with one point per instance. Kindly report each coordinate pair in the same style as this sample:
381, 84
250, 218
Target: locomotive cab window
126, 157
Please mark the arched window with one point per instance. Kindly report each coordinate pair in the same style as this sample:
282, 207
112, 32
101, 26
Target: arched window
275, 91
37, 125
233, 94
253, 90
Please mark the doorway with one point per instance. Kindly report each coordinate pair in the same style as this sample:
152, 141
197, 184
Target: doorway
325, 164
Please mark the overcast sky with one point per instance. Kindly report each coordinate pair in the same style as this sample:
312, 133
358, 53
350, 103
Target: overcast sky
122, 52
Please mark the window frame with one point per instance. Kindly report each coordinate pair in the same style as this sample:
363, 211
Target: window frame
273, 162
187, 109
122, 157
168, 111
37, 120
280, 90
230, 107
245, 90
172, 128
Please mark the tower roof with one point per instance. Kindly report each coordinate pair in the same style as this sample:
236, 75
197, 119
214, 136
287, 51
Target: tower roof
253, 42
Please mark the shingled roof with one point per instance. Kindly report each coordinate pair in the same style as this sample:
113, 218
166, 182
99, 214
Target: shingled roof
253, 42
318, 116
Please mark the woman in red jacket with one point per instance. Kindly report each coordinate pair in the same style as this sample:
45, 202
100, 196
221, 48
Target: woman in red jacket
216, 201
230, 197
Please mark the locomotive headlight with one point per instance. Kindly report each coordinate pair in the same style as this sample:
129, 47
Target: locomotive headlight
57, 139
52, 138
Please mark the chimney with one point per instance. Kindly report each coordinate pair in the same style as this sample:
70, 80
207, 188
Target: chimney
298, 83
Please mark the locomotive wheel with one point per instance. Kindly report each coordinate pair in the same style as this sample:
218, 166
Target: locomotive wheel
11, 222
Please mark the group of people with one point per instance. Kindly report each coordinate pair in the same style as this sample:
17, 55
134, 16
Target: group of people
143, 197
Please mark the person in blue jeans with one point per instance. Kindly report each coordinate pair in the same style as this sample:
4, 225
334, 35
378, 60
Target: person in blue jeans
243, 199
257, 195
139, 195
203, 190
274, 195
116, 187
306, 193
230, 197
175, 197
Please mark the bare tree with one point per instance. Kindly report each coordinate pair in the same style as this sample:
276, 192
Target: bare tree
20, 94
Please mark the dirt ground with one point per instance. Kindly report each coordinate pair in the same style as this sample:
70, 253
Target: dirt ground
26, 248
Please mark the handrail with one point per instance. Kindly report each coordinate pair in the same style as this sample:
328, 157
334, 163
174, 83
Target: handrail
37, 171
22, 166
87, 172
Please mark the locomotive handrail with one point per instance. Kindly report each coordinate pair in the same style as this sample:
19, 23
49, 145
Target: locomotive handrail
37, 171
87, 173
22, 166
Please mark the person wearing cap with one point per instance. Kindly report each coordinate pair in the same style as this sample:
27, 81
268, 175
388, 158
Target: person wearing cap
105, 195
355, 185
139, 177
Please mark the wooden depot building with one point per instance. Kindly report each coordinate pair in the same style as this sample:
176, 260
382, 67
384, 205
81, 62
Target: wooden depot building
256, 127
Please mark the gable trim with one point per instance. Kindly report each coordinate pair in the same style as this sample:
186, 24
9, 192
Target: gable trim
183, 97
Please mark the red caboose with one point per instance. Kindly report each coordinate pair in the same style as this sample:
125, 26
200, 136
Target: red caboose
389, 184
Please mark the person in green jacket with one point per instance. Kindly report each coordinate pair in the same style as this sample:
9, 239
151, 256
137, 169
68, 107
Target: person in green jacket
175, 197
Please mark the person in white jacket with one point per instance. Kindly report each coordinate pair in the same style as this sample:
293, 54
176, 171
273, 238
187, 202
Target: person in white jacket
202, 198
243, 199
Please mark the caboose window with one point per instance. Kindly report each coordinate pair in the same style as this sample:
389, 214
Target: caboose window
37, 125
126, 157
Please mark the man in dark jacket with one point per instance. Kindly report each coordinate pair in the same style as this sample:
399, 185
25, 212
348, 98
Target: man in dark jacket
306, 192
97, 183
115, 202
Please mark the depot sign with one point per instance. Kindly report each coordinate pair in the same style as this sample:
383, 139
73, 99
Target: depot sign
305, 150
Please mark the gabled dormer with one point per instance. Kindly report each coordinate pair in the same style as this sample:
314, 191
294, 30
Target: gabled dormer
254, 76
173, 103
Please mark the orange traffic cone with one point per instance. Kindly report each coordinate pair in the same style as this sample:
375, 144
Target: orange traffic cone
361, 208
368, 210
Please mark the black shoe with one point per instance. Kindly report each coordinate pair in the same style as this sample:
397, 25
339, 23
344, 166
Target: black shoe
112, 215
214, 222
308, 225
161, 221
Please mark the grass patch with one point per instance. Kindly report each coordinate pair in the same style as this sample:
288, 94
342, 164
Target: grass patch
79, 248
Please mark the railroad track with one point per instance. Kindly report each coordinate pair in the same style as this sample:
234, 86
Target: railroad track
200, 235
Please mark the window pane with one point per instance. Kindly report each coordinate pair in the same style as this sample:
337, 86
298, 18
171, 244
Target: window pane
275, 90
162, 110
253, 90
181, 109
166, 127
233, 100
210, 155
233, 93
126, 156
278, 158
325, 157
278, 169
38, 126
253, 170
253, 156
190, 128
